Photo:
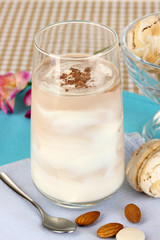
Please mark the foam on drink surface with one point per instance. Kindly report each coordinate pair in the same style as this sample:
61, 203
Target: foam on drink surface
77, 130
78, 77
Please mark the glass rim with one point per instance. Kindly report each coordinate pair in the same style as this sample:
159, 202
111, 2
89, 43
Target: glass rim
97, 53
125, 48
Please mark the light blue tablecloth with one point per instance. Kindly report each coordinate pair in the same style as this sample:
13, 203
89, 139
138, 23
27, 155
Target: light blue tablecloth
15, 128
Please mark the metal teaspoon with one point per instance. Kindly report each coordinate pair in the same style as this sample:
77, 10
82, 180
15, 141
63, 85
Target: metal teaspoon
56, 224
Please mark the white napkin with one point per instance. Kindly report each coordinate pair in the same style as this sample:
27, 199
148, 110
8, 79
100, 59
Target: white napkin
20, 220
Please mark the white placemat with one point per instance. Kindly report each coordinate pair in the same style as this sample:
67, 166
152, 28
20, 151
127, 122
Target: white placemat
19, 220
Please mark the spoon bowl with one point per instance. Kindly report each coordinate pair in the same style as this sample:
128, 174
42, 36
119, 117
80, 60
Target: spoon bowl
58, 225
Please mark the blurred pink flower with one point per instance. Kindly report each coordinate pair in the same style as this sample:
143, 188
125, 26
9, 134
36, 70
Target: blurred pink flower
27, 102
28, 114
10, 85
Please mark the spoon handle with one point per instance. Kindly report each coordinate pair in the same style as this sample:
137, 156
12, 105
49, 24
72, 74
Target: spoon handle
14, 187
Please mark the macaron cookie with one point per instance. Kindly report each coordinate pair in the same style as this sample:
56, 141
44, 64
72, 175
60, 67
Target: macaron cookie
144, 162
149, 174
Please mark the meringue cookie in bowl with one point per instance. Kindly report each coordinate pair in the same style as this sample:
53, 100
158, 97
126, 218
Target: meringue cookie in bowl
144, 39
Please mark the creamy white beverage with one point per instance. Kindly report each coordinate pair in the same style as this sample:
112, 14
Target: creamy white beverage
77, 151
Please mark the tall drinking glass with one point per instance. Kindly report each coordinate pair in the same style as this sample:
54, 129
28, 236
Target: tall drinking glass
77, 150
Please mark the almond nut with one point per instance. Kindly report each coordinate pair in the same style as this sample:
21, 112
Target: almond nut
109, 230
132, 213
87, 218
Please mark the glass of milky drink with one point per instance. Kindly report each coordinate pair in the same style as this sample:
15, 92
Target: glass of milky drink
77, 148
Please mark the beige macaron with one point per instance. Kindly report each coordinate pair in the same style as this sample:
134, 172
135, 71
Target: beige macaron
143, 169
149, 174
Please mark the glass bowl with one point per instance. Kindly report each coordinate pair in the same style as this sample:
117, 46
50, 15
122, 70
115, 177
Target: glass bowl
146, 76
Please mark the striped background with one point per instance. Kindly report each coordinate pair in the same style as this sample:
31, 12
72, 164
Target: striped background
20, 20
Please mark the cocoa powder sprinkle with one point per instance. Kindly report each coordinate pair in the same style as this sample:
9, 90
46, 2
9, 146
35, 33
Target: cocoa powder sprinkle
76, 78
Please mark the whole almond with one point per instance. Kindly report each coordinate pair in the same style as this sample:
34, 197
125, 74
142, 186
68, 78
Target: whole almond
132, 213
109, 230
87, 218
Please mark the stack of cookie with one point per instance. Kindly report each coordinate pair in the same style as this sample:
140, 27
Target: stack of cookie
143, 170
